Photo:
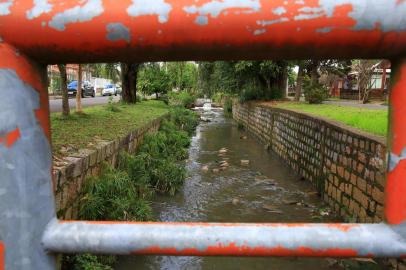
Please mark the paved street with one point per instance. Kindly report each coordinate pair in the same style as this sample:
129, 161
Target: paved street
356, 104
56, 105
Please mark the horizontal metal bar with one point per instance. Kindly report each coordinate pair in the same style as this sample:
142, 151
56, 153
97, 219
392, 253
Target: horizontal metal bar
143, 30
217, 239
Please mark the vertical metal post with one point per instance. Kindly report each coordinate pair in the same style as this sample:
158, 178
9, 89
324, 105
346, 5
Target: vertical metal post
395, 207
26, 195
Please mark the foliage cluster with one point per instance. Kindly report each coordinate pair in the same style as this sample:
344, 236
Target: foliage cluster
124, 193
247, 79
184, 99
315, 92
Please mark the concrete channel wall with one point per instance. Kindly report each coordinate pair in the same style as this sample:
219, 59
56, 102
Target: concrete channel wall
69, 179
346, 166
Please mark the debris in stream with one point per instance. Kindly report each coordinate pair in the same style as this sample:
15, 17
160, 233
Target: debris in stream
235, 201
272, 209
365, 260
223, 150
290, 202
205, 119
243, 137
215, 170
224, 164
245, 162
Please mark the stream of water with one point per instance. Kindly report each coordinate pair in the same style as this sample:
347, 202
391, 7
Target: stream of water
264, 190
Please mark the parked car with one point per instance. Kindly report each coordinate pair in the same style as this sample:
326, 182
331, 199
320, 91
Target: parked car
109, 90
87, 89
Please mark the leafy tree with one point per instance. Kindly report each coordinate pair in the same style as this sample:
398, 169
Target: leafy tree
183, 75
249, 79
112, 71
153, 80
365, 72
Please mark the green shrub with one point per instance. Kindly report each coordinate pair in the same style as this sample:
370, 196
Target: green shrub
139, 98
183, 99
124, 193
186, 120
114, 196
87, 262
164, 98
228, 106
112, 106
218, 97
315, 93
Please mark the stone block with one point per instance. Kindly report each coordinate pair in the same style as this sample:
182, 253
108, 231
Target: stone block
378, 195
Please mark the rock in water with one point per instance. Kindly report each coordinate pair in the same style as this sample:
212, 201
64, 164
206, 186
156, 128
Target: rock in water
216, 170
235, 201
245, 162
205, 168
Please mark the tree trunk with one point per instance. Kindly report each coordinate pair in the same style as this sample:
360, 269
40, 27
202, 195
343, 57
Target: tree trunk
299, 82
79, 91
314, 73
129, 74
156, 95
284, 81
64, 86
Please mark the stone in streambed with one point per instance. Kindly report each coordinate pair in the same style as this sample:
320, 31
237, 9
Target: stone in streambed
245, 162
235, 201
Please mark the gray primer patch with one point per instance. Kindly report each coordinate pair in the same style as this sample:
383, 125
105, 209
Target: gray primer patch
150, 7
388, 14
215, 8
259, 32
27, 205
324, 30
270, 22
117, 31
279, 11
202, 20
86, 12
395, 159
40, 7
5, 7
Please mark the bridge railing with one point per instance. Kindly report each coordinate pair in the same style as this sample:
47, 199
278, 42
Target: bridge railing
36, 33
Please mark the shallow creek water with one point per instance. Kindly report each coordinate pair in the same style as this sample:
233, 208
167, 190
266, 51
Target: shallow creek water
265, 190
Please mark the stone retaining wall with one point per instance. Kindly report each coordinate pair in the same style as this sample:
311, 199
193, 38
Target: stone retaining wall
345, 165
69, 178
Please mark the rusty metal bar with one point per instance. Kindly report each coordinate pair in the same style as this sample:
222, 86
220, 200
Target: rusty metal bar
158, 30
395, 206
227, 239
26, 194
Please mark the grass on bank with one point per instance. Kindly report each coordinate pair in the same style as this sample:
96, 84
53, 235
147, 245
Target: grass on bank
105, 122
372, 121
124, 193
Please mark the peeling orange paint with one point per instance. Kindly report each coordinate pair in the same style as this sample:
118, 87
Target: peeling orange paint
234, 250
180, 37
10, 138
28, 72
2, 256
395, 205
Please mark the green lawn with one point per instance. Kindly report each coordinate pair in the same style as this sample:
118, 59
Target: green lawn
372, 121
78, 130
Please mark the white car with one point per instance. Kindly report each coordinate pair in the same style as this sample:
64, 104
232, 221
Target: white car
109, 90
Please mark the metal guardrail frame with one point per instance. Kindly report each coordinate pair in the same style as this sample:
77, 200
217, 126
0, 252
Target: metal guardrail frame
38, 32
